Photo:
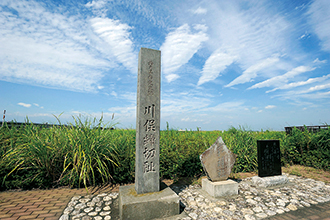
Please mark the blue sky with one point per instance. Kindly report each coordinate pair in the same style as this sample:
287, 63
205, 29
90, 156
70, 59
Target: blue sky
258, 64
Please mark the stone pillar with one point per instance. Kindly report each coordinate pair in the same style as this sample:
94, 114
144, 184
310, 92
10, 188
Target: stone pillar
147, 200
148, 122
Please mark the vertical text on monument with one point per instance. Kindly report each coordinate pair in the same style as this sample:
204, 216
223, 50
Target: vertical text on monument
269, 158
147, 122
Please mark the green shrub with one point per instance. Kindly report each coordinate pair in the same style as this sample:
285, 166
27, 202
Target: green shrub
308, 148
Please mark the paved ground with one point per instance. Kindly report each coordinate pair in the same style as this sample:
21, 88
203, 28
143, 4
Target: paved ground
315, 212
49, 205
36, 204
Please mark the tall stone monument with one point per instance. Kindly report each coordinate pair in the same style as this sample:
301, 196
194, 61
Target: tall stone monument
147, 199
147, 122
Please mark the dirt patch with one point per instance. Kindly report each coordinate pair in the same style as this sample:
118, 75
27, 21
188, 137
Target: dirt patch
298, 170
308, 172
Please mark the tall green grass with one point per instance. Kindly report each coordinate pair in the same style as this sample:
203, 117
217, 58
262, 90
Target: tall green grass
77, 154
88, 153
180, 150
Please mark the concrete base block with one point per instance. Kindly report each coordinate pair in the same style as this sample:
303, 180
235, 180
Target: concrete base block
162, 204
220, 188
270, 181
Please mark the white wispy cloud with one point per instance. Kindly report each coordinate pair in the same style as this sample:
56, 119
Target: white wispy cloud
27, 105
310, 96
129, 111
45, 48
301, 83
301, 7
37, 105
97, 4
319, 18
182, 103
257, 37
270, 106
312, 92
114, 94
117, 36
214, 65
319, 95
50, 117
24, 104
274, 81
317, 61
124, 115
200, 27
188, 119
200, 10
252, 72
227, 106
317, 88
179, 47
98, 7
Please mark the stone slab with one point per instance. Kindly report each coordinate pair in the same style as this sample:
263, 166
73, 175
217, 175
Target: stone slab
221, 188
162, 204
269, 158
265, 182
147, 122
218, 161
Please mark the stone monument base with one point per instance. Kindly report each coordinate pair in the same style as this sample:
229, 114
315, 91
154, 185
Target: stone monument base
162, 204
220, 188
264, 182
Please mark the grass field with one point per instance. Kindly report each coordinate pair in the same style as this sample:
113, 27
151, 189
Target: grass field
88, 153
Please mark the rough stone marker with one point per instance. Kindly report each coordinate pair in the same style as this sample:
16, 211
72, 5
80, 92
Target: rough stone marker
218, 162
147, 200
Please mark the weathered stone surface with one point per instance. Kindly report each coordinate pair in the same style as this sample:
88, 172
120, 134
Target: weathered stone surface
218, 161
147, 122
